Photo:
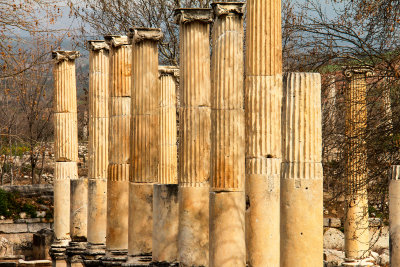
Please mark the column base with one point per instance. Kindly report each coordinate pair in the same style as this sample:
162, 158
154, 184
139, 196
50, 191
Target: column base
58, 253
361, 262
114, 258
74, 252
164, 264
138, 261
93, 254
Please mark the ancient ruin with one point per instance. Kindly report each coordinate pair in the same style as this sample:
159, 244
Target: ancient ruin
301, 184
394, 216
356, 227
66, 149
119, 109
227, 196
194, 136
263, 96
165, 194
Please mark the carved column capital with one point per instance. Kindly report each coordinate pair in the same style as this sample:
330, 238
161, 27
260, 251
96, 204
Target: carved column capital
137, 35
65, 55
97, 45
349, 72
226, 8
188, 15
116, 40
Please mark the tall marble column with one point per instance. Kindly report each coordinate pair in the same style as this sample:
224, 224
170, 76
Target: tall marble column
144, 140
227, 196
263, 103
165, 192
356, 227
195, 141
119, 109
301, 184
98, 150
66, 149
394, 216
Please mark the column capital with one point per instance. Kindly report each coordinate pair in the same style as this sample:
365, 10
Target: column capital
97, 45
116, 40
188, 15
169, 70
65, 55
137, 35
226, 8
349, 72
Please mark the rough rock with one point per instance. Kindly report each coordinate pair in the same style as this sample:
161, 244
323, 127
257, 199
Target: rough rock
333, 257
333, 239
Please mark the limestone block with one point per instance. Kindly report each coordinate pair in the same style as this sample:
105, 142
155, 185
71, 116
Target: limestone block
228, 150
140, 218
193, 236
117, 207
227, 229
195, 146
195, 57
65, 83
97, 211
98, 148
167, 170
165, 223
394, 216
79, 209
120, 66
263, 116
42, 241
145, 151
263, 38
65, 137
63, 173
119, 130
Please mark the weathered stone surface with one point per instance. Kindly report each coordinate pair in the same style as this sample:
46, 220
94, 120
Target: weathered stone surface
79, 210
63, 173
97, 211
356, 224
333, 239
140, 219
301, 183
42, 241
137, 35
227, 229
394, 215
165, 223
65, 136
64, 86
193, 236
167, 170
195, 139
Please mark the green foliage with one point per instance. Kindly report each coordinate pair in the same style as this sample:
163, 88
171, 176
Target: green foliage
11, 204
15, 149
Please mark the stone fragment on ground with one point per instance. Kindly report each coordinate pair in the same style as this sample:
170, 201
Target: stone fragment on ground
334, 239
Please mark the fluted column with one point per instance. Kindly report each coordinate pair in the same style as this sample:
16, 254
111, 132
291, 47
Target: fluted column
165, 192
66, 148
194, 140
394, 216
356, 227
98, 148
119, 109
263, 103
301, 184
144, 139
227, 196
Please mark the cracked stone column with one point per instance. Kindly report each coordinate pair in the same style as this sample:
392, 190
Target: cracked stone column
98, 150
165, 194
194, 140
66, 149
144, 140
263, 104
119, 109
227, 196
394, 216
356, 227
301, 183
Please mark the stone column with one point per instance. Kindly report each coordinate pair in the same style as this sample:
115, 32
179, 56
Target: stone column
65, 147
263, 103
144, 140
356, 227
165, 192
119, 109
394, 216
301, 184
98, 150
194, 140
227, 196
